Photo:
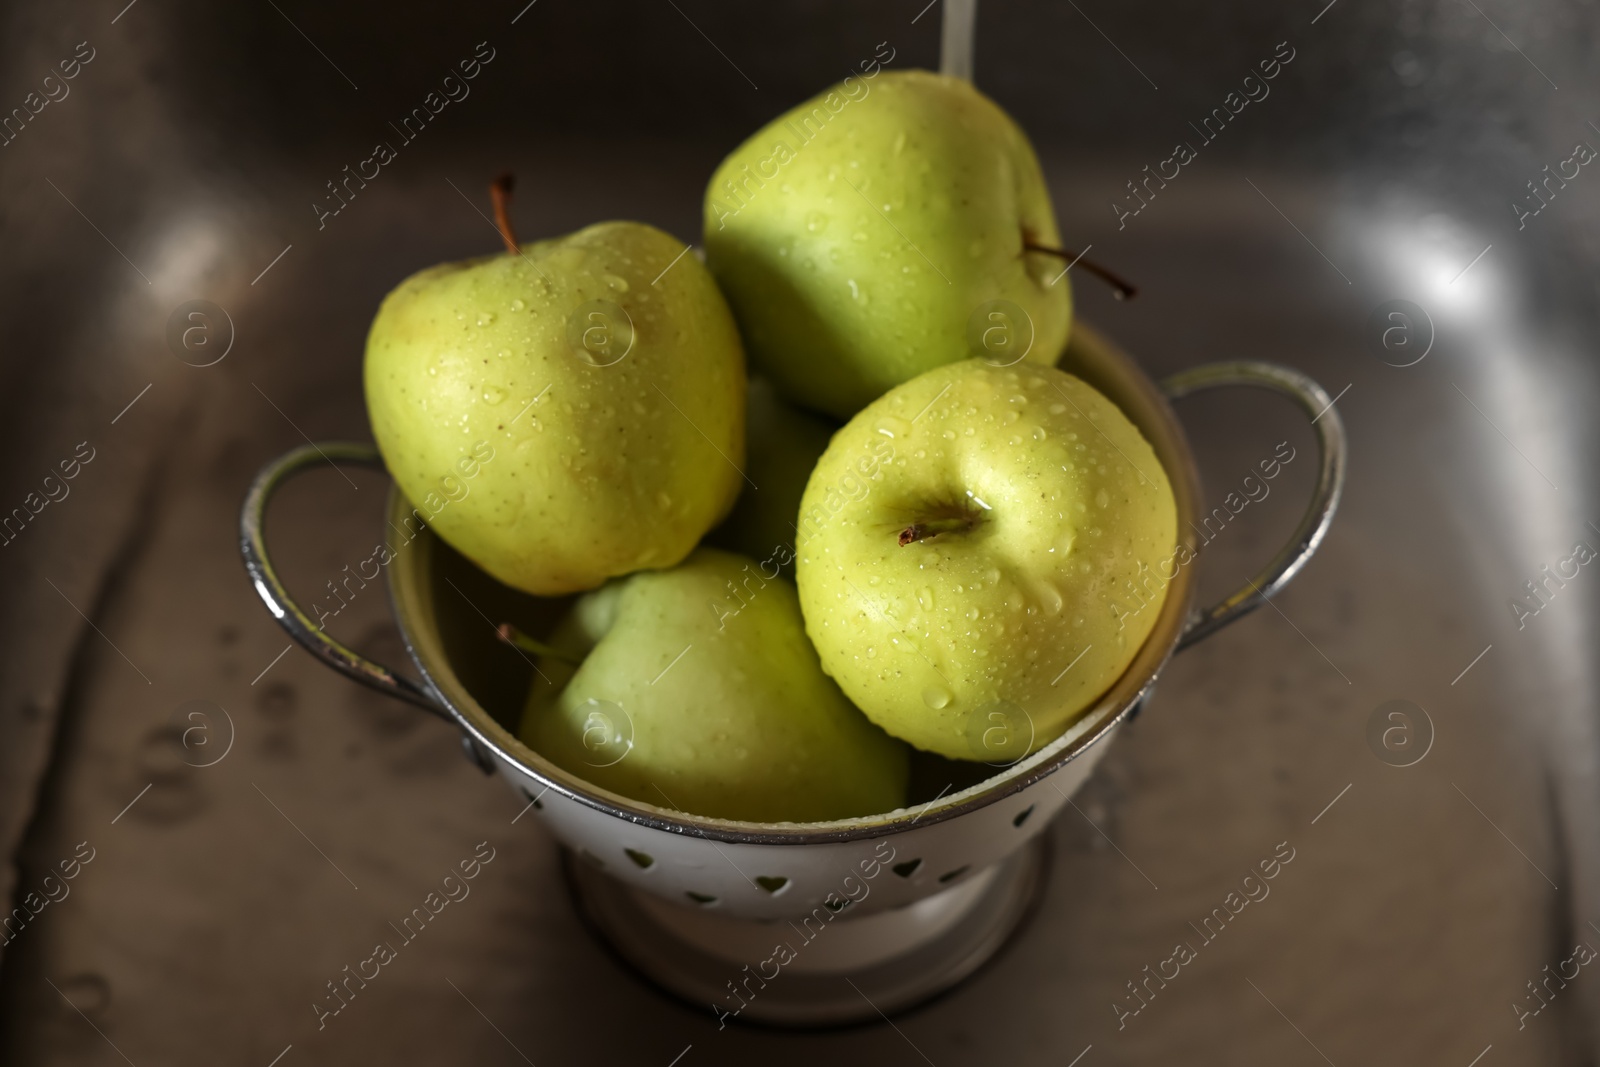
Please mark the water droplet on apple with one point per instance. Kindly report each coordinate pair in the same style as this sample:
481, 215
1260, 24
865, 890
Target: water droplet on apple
517, 304
485, 318
899, 142
1037, 433
893, 426
1050, 597
493, 394
925, 598
433, 370
935, 697
872, 653
663, 501
1056, 409
816, 222
1102, 498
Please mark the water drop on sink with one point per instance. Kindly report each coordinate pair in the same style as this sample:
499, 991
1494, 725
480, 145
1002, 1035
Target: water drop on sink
935, 697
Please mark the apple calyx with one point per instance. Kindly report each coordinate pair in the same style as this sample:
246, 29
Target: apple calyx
1120, 286
500, 195
517, 639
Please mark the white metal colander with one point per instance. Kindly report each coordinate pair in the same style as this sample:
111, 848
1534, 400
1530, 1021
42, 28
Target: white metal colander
764, 921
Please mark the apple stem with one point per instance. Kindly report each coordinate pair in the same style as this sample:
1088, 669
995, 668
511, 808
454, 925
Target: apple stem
500, 195
921, 531
517, 639
1124, 289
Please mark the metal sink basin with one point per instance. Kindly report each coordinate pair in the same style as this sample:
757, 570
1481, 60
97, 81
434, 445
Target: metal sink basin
1444, 851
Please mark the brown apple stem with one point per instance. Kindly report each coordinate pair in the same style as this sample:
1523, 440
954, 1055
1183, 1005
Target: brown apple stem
921, 531
517, 639
500, 195
1124, 289
915, 532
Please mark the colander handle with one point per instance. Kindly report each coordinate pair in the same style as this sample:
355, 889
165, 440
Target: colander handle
1314, 401
253, 546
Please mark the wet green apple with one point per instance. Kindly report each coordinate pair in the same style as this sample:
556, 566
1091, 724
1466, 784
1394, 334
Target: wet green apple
697, 689
876, 231
566, 413
1000, 567
782, 446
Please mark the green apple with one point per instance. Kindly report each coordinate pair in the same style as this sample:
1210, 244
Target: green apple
699, 691
876, 232
565, 414
782, 446
999, 567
